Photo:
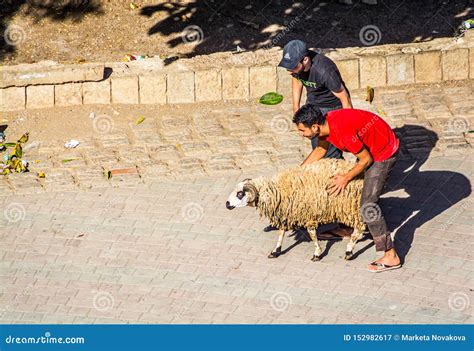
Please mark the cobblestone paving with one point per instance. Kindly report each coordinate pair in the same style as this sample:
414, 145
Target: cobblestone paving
158, 245
213, 140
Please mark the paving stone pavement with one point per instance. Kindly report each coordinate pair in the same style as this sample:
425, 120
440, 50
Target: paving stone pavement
169, 252
158, 246
214, 139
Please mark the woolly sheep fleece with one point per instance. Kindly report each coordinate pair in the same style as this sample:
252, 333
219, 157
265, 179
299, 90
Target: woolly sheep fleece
298, 197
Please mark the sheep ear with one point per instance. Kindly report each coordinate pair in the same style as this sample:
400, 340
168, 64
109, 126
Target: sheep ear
252, 192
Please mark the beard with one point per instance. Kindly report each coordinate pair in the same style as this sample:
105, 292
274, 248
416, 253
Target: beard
316, 133
296, 74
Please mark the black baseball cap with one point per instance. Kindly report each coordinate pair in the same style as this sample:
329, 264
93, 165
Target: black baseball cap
293, 53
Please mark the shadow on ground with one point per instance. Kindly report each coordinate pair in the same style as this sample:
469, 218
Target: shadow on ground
222, 25
215, 26
429, 193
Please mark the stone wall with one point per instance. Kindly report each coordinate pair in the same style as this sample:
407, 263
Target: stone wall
30, 86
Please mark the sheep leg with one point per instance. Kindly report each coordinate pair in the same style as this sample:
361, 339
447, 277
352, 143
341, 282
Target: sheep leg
356, 235
277, 252
317, 248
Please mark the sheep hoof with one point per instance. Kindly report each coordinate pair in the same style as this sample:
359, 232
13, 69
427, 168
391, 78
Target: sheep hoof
275, 254
348, 255
316, 258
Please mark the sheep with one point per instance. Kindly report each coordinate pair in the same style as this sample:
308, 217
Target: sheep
298, 197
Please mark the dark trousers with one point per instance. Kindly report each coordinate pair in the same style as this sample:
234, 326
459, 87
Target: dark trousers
332, 152
374, 180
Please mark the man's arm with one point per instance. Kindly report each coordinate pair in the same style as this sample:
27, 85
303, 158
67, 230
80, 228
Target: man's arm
365, 160
296, 90
340, 181
318, 152
343, 95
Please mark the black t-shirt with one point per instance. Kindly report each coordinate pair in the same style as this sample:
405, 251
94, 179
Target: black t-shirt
321, 80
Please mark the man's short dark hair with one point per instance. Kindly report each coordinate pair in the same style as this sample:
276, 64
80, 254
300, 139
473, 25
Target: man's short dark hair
309, 115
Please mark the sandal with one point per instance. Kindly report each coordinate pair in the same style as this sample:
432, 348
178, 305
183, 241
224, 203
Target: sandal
381, 267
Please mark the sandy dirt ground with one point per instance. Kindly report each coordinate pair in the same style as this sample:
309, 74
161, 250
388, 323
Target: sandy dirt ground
88, 31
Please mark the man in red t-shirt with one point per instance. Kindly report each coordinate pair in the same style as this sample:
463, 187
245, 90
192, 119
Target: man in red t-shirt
371, 139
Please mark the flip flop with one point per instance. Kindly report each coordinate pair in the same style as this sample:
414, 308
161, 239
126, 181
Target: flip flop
382, 267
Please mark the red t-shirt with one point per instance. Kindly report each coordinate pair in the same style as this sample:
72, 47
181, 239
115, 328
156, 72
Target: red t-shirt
351, 129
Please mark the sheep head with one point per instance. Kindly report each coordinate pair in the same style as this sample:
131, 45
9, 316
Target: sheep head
244, 194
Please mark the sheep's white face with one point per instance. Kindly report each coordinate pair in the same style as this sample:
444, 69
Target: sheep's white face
238, 197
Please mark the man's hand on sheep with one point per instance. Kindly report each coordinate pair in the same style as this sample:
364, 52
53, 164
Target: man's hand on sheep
340, 181
338, 184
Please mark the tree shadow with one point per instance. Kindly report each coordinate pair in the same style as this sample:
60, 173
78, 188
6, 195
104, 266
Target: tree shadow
209, 26
63, 10
213, 26
429, 193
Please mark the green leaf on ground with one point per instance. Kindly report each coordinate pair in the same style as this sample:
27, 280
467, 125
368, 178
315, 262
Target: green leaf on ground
271, 98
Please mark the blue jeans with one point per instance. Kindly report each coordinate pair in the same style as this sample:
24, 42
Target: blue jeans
332, 152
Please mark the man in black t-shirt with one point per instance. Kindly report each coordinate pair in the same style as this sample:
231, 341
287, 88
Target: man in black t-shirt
325, 89
324, 86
